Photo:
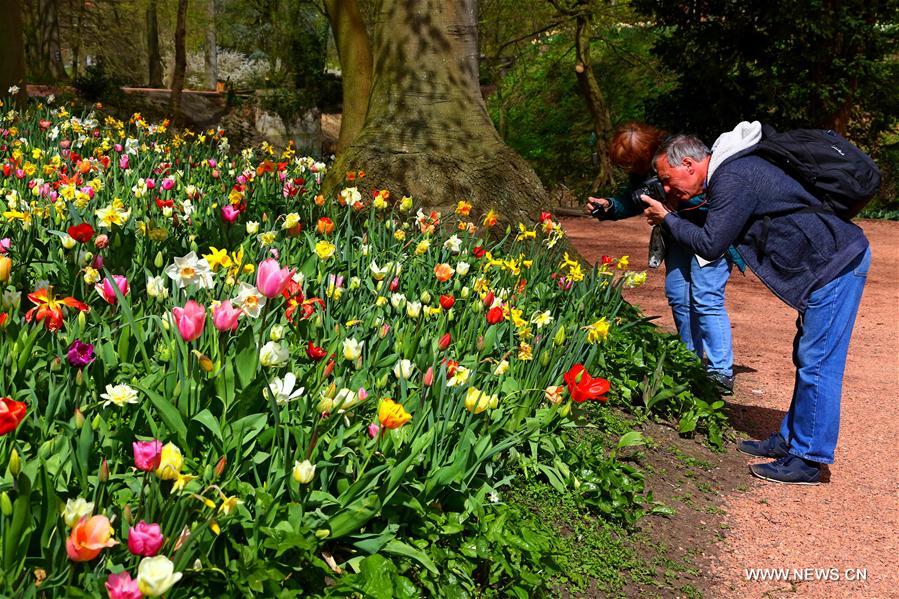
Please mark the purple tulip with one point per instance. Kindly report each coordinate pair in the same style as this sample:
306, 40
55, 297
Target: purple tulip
80, 354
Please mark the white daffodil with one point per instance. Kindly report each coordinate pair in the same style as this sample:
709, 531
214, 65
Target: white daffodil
541, 319
157, 288
282, 389
453, 244
190, 270
249, 300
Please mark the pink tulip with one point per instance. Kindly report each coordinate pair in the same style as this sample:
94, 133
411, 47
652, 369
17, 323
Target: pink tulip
118, 147
211, 162
124, 161
150, 183
394, 284
271, 279
429, 377
224, 316
145, 539
147, 454
5, 244
230, 213
373, 430
168, 183
121, 586
107, 290
190, 320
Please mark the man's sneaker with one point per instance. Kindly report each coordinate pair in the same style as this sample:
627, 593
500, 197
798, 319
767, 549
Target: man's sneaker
725, 383
773, 447
789, 470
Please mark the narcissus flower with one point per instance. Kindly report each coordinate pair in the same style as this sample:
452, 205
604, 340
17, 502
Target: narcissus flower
88, 538
12, 413
119, 395
325, 249
598, 331
282, 389
190, 270
392, 415
584, 387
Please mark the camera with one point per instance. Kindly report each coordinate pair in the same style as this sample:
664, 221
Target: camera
653, 188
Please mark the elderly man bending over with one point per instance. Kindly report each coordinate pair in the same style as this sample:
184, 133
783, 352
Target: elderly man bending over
805, 254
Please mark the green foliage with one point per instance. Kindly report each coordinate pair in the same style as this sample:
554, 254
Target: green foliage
98, 85
558, 143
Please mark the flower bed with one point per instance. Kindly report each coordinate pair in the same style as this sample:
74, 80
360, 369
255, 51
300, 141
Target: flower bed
218, 382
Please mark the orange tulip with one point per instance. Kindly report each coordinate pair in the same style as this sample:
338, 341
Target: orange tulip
443, 272
88, 538
5, 268
392, 414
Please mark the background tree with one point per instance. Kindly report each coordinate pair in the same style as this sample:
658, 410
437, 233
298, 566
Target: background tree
154, 59
824, 63
177, 84
210, 47
427, 131
12, 46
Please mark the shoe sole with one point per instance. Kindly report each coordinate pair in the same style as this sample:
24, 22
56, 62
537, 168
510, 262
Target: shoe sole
782, 482
757, 455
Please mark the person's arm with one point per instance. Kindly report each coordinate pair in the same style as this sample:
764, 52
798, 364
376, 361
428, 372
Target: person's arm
731, 203
621, 205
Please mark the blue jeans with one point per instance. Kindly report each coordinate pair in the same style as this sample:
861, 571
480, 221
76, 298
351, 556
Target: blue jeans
696, 297
819, 353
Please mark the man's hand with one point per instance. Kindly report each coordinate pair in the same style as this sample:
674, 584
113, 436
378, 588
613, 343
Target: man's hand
593, 203
655, 211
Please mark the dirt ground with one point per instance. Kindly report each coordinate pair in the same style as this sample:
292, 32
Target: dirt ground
852, 520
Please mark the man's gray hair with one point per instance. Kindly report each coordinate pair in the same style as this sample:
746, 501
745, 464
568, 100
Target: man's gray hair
680, 146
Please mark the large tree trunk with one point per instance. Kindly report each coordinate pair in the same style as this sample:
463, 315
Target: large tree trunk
54, 48
593, 96
155, 60
12, 48
427, 132
211, 48
354, 50
180, 60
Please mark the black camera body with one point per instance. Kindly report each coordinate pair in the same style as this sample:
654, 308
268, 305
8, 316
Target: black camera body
651, 187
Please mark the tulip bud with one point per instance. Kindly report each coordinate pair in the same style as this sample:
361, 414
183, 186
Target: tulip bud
79, 418
445, 341
277, 333
220, 466
465, 292
322, 533
559, 339
55, 364
331, 391
425, 297
565, 409
428, 379
15, 463
159, 261
5, 504
480, 342
82, 321
79, 377
103, 475
382, 332
204, 361
544, 358
95, 423
381, 382
127, 515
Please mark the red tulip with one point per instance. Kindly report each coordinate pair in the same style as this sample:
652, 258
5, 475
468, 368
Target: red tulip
81, 233
315, 352
444, 342
495, 315
447, 301
478, 252
488, 299
582, 386
12, 413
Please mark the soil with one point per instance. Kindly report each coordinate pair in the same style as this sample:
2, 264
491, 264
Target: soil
726, 521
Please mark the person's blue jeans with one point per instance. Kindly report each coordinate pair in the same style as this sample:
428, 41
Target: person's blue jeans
696, 297
812, 424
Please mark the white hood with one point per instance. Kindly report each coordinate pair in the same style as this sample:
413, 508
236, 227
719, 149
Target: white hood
744, 135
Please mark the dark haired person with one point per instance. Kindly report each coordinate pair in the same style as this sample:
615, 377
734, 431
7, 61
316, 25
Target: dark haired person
807, 256
695, 288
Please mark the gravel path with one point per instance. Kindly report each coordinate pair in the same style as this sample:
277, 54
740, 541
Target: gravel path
850, 522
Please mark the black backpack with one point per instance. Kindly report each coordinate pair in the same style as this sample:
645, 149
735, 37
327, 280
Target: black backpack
832, 169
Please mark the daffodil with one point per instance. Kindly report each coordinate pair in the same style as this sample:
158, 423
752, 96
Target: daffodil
598, 331
325, 249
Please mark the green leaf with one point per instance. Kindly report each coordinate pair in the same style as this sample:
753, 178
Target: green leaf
208, 420
631, 439
400, 548
169, 414
247, 358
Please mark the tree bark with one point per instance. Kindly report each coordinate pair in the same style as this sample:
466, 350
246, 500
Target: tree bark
593, 96
180, 60
155, 60
354, 50
211, 47
12, 48
54, 49
427, 132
